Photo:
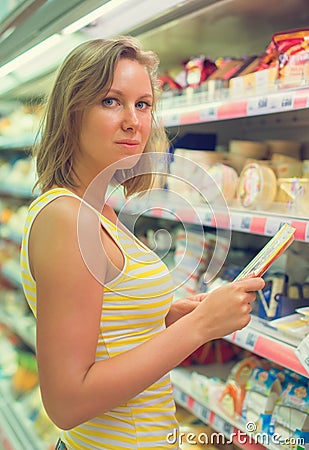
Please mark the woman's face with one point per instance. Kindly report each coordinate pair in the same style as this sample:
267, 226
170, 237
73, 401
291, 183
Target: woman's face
119, 124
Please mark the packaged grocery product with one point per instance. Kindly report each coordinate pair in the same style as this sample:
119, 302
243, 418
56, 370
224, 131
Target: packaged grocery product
204, 157
198, 70
232, 397
263, 389
257, 185
292, 47
284, 147
248, 149
306, 168
291, 412
270, 252
294, 192
226, 178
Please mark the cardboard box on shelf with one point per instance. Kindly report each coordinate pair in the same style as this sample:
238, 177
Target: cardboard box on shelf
259, 82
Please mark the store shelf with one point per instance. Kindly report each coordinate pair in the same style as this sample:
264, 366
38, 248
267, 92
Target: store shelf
254, 222
16, 431
16, 191
20, 143
263, 340
233, 430
23, 326
193, 109
11, 271
7, 233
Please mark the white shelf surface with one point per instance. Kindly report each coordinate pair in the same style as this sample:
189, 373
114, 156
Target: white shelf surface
193, 109
23, 326
264, 340
16, 431
7, 233
246, 221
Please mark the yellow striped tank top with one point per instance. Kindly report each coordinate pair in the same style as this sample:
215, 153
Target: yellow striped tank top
133, 310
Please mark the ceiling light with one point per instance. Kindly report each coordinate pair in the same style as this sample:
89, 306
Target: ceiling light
91, 17
30, 54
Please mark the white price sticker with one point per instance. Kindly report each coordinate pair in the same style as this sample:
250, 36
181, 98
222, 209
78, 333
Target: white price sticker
201, 412
236, 221
302, 352
307, 233
208, 114
281, 102
222, 426
272, 226
171, 119
257, 105
246, 339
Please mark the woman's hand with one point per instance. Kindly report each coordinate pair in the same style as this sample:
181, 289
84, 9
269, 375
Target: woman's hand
226, 309
182, 307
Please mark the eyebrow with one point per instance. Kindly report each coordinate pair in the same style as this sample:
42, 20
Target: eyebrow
118, 92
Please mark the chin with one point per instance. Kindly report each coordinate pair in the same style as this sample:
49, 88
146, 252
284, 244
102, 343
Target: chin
128, 162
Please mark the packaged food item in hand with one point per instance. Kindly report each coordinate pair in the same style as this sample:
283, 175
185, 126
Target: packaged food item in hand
270, 252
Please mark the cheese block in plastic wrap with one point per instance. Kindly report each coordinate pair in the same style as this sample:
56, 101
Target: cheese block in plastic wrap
248, 149
205, 157
306, 168
284, 147
257, 186
226, 178
294, 192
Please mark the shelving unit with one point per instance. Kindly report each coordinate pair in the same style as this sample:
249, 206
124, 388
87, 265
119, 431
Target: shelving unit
16, 431
181, 113
233, 430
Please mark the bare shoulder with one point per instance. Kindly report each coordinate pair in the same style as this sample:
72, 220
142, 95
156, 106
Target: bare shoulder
58, 231
62, 214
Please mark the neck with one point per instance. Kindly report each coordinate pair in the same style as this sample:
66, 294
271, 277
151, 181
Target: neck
93, 189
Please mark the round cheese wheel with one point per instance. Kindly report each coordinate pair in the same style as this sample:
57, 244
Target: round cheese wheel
226, 178
284, 147
257, 185
249, 149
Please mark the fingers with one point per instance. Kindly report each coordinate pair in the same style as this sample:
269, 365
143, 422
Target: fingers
252, 283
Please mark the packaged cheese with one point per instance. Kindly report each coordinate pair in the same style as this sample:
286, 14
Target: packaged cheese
257, 185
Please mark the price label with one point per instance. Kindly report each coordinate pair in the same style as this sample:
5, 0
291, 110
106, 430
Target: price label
236, 221
245, 223
281, 102
246, 339
257, 105
208, 218
307, 233
222, 426
272, 226
170, 120
208, 114
201, 412
302, 353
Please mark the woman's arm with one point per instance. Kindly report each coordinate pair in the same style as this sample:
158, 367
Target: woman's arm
74, 387
183, 306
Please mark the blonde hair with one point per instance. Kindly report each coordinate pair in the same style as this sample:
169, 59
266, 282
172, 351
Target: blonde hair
86, 71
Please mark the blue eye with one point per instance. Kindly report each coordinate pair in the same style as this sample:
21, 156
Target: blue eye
109, 101
143, 105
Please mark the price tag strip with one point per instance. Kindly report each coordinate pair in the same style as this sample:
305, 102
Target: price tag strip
302, 353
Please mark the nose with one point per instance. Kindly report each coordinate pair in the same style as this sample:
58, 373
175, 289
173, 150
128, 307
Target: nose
130, 119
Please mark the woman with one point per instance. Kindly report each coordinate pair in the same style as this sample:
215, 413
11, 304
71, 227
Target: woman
107, 331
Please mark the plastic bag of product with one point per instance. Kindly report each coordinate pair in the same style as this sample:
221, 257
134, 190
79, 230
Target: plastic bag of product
292, 48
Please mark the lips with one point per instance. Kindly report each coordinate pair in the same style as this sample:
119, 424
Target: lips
128, 142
